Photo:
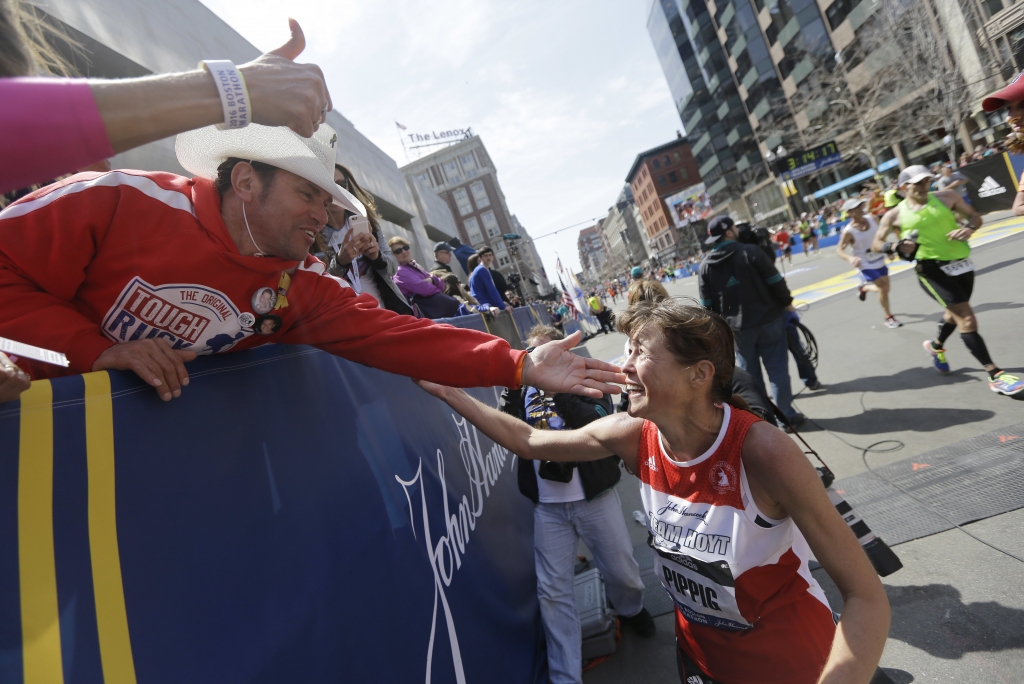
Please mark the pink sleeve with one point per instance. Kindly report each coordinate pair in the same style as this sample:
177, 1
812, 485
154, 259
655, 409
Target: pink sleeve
48, 127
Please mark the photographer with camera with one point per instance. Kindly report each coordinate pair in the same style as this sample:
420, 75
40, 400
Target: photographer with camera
574, 501
740, 283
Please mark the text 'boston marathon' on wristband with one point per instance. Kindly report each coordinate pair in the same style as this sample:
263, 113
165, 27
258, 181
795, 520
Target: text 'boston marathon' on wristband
234, 97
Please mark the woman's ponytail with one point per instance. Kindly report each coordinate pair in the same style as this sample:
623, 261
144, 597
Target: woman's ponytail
736, 401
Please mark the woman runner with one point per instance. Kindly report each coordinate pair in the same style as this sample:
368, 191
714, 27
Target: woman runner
732, 506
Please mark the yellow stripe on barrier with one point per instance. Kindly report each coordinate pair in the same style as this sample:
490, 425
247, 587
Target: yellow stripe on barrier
111, 614
40, 616
516, 326
1013, 174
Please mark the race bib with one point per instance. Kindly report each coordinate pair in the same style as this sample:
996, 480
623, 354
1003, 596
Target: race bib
958, 267
704, 592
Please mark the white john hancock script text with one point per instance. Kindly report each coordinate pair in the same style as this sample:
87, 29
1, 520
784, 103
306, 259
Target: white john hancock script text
445, 555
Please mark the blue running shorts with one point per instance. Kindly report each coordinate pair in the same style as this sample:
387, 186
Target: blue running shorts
869, 274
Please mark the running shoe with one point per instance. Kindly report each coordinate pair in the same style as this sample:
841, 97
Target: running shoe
891, 322
862, 293
1007, 384
938, 357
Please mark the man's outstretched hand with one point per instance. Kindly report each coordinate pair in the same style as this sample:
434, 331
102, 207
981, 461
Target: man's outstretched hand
152, 360
553, 367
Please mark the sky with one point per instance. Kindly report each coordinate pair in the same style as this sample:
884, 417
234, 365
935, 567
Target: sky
563, 93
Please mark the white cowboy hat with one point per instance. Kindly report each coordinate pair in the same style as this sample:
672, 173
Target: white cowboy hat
201, 151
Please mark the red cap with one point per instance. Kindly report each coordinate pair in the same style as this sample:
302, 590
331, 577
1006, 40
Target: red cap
1011, 93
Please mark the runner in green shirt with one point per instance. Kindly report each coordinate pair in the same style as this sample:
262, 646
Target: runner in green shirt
929, 233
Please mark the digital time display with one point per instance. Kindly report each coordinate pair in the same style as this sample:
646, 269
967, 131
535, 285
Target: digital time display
807, 162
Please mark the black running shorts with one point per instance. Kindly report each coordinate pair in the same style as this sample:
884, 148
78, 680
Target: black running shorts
943, 288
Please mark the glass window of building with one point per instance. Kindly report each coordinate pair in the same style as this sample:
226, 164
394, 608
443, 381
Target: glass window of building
451, 170
425, 177
473, 231
480, 194
661, 181
657, 164
490, 223
462, 200
467, 162
678, 157
665, 160
672, 177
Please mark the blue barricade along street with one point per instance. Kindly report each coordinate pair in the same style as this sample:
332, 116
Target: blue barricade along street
293, 517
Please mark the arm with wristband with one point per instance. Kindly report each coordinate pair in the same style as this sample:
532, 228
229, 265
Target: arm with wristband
60, 125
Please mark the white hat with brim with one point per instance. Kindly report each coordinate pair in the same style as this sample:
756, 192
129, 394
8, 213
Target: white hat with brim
853, 203
914, 174
201, 151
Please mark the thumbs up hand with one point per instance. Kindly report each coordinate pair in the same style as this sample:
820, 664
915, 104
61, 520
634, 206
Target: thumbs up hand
285, 93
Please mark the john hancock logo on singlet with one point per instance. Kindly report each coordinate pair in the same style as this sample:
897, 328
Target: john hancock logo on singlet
187, 316
723, 477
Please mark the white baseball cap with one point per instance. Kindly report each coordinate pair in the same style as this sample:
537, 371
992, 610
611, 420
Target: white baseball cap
913, 174
201, 151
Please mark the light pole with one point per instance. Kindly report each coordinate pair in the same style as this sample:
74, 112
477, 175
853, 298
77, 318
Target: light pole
513, 251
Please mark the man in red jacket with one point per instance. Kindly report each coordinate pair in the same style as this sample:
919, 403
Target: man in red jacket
142, 271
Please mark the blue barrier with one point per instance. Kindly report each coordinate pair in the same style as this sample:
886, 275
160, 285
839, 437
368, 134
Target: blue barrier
526, 317
570, 325
293, 517
523, 319
823, 242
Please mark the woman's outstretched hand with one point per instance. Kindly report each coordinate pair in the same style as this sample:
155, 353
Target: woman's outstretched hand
553, 367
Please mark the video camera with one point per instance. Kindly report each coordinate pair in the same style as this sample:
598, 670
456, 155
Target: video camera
757, 236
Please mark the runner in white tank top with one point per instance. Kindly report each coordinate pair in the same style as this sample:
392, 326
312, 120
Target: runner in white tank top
858, 236
733, 508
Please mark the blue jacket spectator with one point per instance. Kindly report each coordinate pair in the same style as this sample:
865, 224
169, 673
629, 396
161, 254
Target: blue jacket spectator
462, 253
481, 284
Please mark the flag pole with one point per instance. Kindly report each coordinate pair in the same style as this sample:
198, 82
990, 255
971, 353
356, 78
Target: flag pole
401, 138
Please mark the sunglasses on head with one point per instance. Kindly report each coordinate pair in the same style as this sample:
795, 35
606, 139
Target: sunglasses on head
399, 249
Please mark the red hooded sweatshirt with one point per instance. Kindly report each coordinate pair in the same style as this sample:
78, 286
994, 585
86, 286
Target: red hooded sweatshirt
99, 259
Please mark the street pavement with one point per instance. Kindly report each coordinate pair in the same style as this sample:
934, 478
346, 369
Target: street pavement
957, 605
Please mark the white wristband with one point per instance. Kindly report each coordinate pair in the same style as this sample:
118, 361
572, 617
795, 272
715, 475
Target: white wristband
234, 97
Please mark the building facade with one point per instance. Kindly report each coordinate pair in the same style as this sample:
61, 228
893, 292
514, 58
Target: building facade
130, 38
623, 235
592, 254
527, 251
656, 174
464, 176
749, 76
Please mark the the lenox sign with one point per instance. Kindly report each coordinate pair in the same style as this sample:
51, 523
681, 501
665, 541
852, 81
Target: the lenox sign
454, 134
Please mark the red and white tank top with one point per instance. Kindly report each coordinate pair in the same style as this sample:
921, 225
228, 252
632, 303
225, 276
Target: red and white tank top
748, 610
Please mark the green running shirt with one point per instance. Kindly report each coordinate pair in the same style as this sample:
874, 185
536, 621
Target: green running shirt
933, 222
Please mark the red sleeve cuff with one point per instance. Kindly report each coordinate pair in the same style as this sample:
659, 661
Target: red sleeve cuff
84, 350
520, 364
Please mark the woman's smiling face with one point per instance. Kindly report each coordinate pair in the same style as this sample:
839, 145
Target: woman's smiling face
654, 378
